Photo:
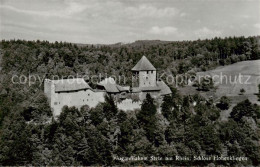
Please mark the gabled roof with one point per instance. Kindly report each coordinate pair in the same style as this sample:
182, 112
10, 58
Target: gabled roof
65, 85
143, 65
150, 88
165, 90
145, 89
110, 86
160, 86
123, 88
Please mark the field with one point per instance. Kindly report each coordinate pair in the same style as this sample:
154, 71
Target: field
229, 80
243, 75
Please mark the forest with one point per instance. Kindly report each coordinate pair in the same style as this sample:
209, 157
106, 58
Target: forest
95, 136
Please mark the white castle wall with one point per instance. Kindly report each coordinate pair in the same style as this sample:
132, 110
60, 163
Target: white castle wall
76, 98
147, 78
92, 98
154, 94
129, 105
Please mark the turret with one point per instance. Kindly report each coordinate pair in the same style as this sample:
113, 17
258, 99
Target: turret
144, 73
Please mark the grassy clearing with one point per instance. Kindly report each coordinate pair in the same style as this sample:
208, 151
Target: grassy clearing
243, 75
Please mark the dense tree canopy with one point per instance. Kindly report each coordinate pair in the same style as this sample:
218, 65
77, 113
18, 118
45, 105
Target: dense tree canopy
185, 126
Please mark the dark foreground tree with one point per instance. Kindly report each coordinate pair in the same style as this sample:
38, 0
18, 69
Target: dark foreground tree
258, 92
224, 103
244, 109
147, 118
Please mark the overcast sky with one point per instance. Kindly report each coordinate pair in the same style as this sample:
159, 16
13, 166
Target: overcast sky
112, 21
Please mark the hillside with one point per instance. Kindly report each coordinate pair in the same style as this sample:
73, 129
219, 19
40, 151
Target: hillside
250, 78
231, 84
188, 124
168, 57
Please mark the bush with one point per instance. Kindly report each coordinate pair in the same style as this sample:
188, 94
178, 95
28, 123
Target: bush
224, 103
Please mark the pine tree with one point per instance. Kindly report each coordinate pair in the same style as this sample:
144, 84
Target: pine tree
147, 117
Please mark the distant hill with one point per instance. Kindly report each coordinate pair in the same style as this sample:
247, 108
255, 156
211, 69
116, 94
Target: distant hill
119, 44
143, 43
149, 42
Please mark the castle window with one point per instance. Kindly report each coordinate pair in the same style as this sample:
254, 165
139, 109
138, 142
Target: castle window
88, 94
147, 72
146, 77
151, 71
55, 103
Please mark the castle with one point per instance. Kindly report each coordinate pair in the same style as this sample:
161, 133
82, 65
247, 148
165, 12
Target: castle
77, 92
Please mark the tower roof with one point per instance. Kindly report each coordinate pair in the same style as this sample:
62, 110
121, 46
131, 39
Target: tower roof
143, 65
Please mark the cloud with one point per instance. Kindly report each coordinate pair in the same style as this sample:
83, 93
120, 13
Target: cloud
183, 14
168, 30
98, 21
70, 9
245, 16
207, 33
145, 10
257, 25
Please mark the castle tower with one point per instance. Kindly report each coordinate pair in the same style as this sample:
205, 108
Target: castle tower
145, 73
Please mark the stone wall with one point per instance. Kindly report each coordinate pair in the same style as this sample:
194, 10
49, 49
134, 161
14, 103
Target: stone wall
58, 100
154, 94
77, 99
72, 98
147, 78
129, 105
